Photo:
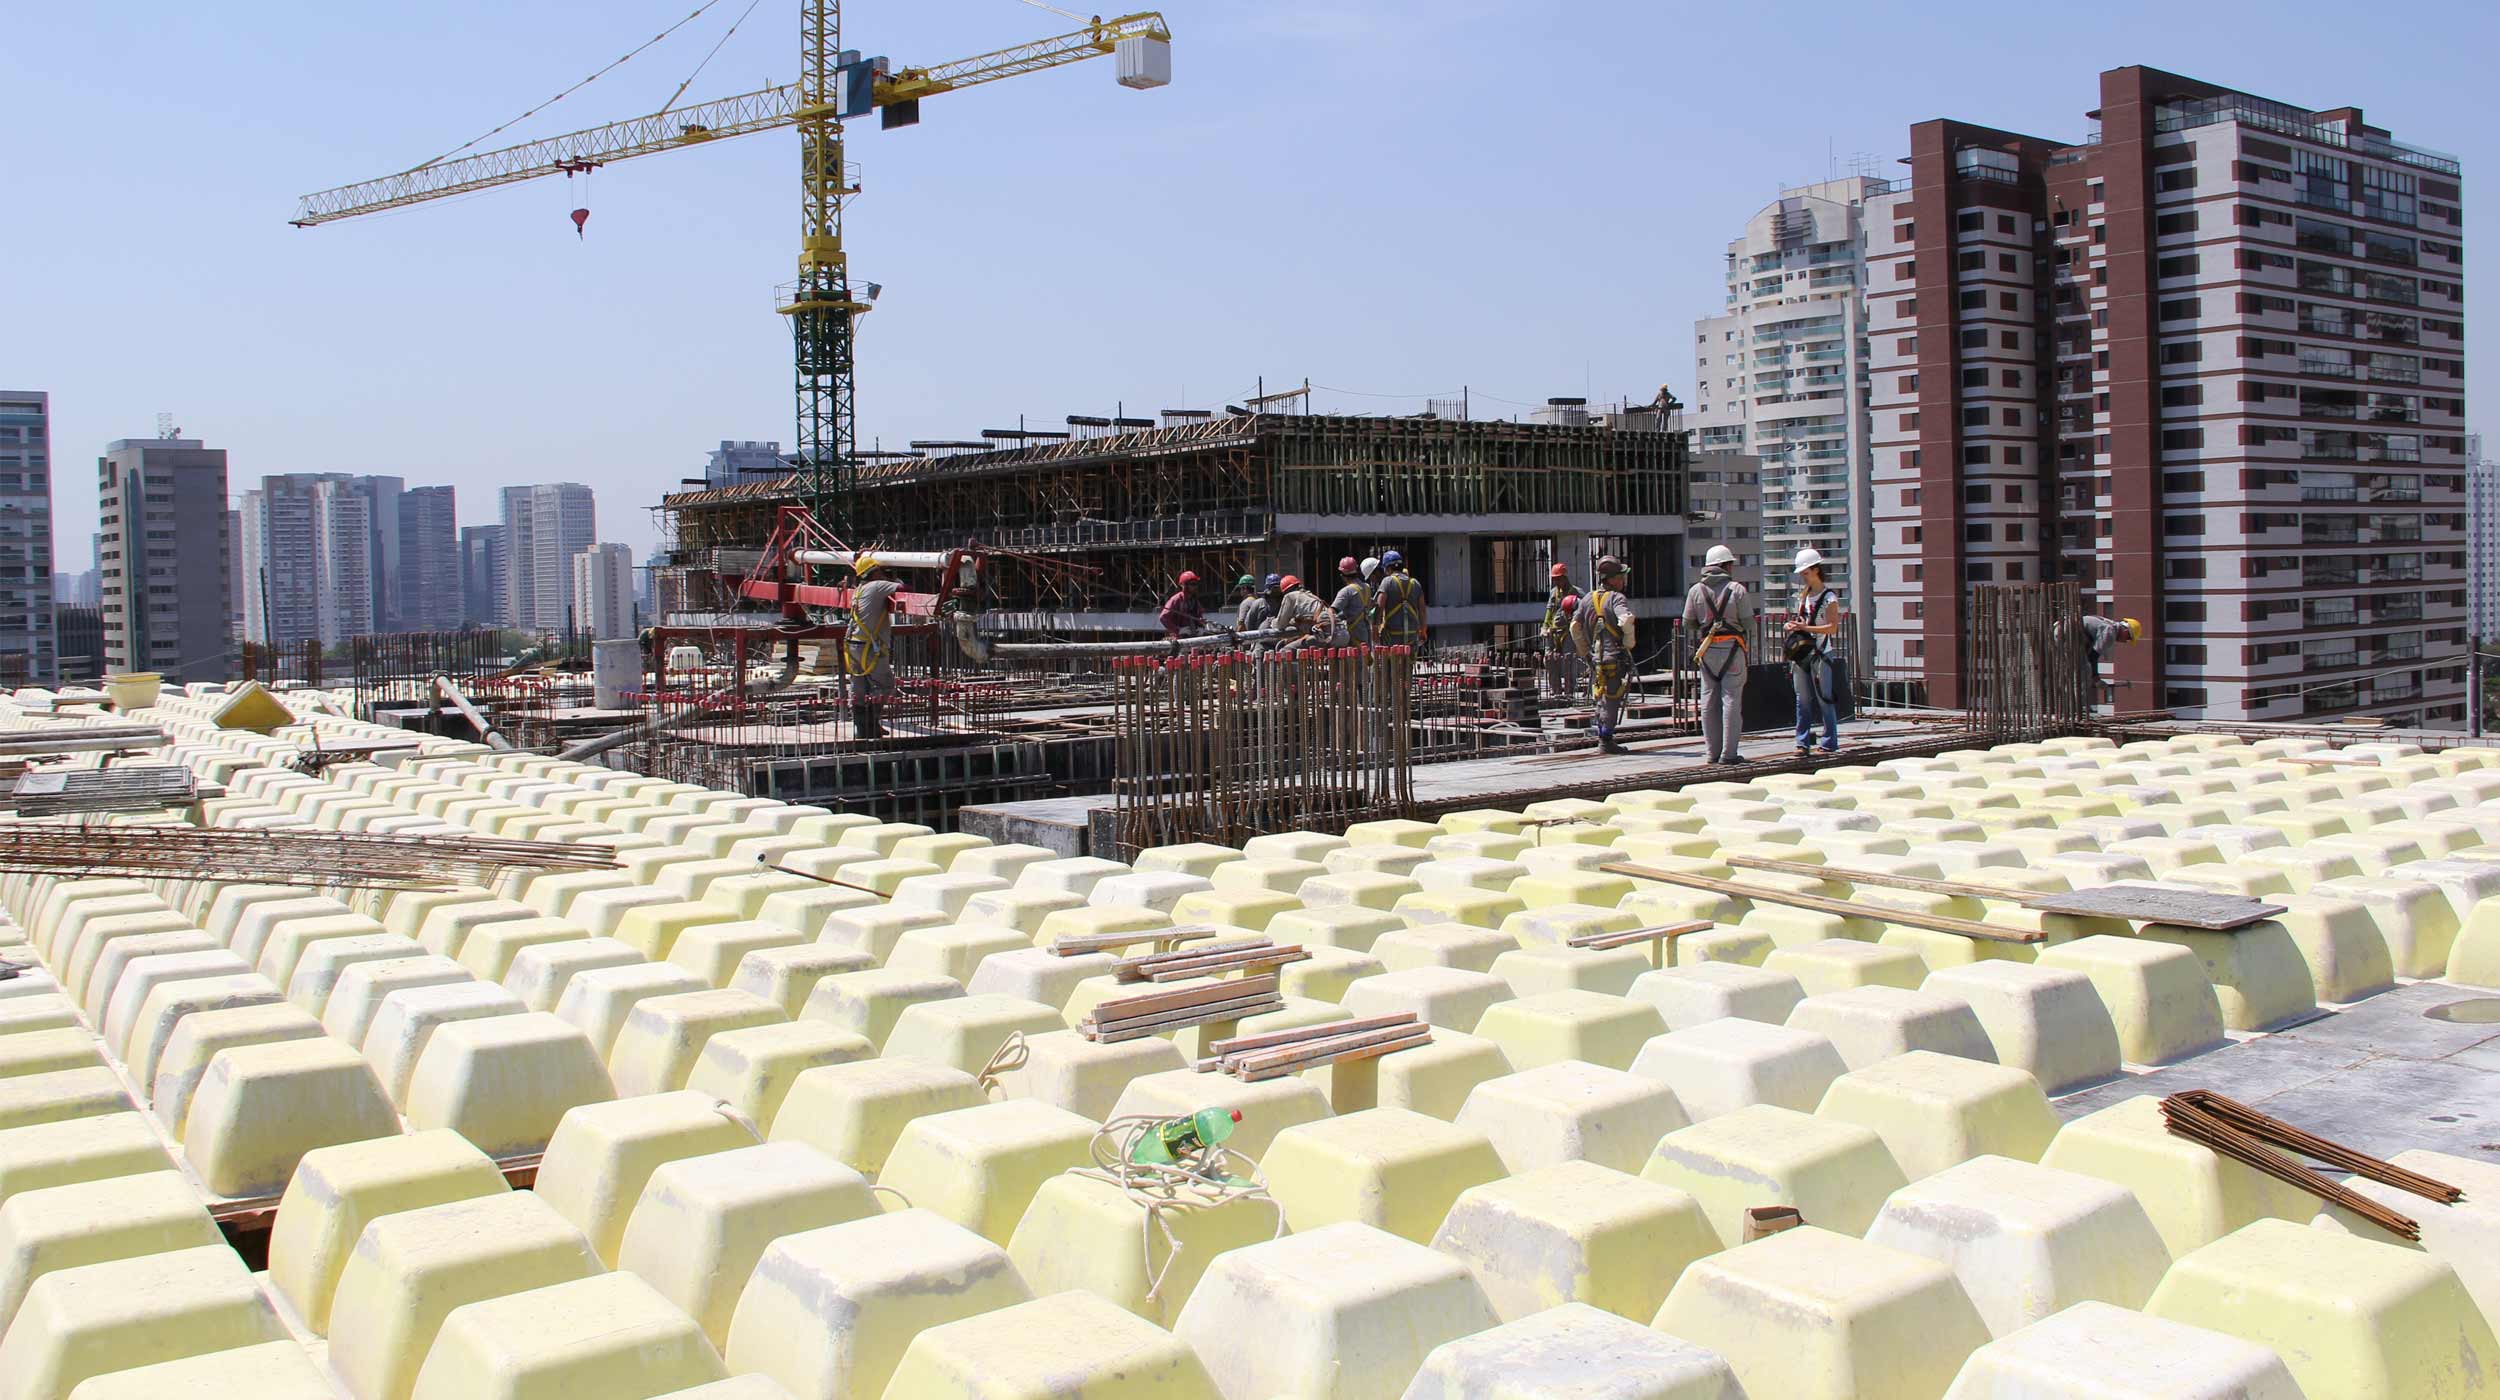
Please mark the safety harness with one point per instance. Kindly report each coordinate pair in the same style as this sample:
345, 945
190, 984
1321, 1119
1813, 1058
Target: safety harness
1402, 616
1719, 631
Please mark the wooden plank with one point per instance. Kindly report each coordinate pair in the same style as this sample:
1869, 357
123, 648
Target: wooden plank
1216, 967
1241, 1044
1147, 962
1070, 945
1662, 933
1240, 1008
1151, 1003
1847, 909
1956, 888
1277, 1064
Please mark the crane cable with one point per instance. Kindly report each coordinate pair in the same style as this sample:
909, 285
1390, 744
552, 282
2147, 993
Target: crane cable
707, 58
559, 97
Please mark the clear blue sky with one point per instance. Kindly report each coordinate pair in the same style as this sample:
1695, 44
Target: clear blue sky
1394, 198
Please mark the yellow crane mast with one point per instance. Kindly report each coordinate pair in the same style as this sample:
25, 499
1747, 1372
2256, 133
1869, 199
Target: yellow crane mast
834, 84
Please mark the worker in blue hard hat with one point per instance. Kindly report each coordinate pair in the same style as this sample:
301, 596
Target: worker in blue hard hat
1259, 608
1399, 604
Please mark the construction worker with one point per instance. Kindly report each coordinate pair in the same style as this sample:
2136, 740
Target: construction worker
1258, 607
1371, 573
1718, 611
2100, 637
1352, 605
1182, 615
1399, 601
1298, 615
1813, 646
1557, 632
1603, 630
868, 647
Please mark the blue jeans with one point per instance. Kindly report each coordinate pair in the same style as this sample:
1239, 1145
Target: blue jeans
1813, 683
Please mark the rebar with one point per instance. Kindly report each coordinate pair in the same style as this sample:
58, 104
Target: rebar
2239, 1132
1225, 747
280, 857
2031, 674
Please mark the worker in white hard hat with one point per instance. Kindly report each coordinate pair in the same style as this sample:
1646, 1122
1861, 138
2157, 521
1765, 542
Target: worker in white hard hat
1718, 613
1813, 647
868, 647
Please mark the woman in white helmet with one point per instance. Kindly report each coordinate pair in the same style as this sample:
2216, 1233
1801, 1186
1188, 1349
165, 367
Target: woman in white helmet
1814, 655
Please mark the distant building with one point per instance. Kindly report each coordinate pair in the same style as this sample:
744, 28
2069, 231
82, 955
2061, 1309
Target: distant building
603, 592
237, 565
1727, 509
26, 645
429, 592
2482, 542
309, 570
164, 552
544, 527
483, 565
81, 630
1782, 376
733, 463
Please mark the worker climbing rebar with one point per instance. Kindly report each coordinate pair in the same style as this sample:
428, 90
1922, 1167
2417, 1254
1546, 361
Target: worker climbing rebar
868, 648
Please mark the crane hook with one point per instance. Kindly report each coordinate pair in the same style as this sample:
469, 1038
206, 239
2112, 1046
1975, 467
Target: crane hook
580, 217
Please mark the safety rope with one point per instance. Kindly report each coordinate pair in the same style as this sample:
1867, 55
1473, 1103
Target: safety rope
1012, 1055
1162, 1190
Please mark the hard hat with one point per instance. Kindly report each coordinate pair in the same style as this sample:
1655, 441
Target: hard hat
1188, 578
1247, 582
1558, 571
1292, 581
1272, 581
1370, 567
1719, 554
1390, 559
862, 563
1807, 559
1346, 565
1608, 566
1571, 603
2135, 629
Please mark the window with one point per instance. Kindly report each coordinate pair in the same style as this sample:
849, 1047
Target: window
1910, 497
1979, 573
2183, 612
1975, 417
2183, 396
1971, 262
2183, 568
2009, 301
2184, 265
2009, 340
1975, 454
2183, 524
1975, 338
2005, 223
1908, 345
2006, 262
1913, 534
2093, 193
2010, 378
2182, 222
1977, 495
2182, 654
1909, 424
2010, 417
2182, 308
1905, 233
1905, 269
2176, 180
2182, 439
1970, 221
1974, 379
1978, 532
1972, 300
1909, 383
2184, 352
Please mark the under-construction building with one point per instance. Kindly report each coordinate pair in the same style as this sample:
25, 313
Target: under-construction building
1481, 511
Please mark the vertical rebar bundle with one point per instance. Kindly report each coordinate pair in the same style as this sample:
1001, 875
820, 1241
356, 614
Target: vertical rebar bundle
1227, 746
2031, 675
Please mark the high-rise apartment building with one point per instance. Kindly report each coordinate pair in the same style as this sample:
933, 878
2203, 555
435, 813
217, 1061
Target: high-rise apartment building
543, 528
428, 587
29, 653
1781, 376
164, 555
736, 463
2482, 541
603, 591
2210, 362
1726, 508
309, 570
482, 577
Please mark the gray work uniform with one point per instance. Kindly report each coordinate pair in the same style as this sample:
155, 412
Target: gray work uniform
1353, 607
1253, 614
868, 647
1719, 603
1298, 616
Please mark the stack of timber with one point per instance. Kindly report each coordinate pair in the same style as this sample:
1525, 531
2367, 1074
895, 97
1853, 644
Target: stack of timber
1246, 955
1274, 1055
1157, 1012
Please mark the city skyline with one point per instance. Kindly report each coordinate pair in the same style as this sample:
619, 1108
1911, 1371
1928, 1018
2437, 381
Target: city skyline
514, 325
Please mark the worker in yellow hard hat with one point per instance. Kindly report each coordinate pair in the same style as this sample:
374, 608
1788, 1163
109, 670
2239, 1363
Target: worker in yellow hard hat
868, 647
2103, 635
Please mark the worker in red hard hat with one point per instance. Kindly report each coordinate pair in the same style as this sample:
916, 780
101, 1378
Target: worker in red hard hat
1352, 605
1299, 616
1183, 615
1556, 634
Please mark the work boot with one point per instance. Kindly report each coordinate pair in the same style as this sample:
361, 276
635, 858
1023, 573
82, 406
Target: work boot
864, 723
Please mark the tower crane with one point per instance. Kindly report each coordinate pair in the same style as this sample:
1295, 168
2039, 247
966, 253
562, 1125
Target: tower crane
835, 84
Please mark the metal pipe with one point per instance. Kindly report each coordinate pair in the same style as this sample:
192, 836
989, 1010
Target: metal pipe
891, 559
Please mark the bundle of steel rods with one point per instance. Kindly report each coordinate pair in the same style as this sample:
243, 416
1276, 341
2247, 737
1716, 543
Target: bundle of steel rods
1275, 1054
2241, 1133
1225, 746
2030, 670
280, 857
